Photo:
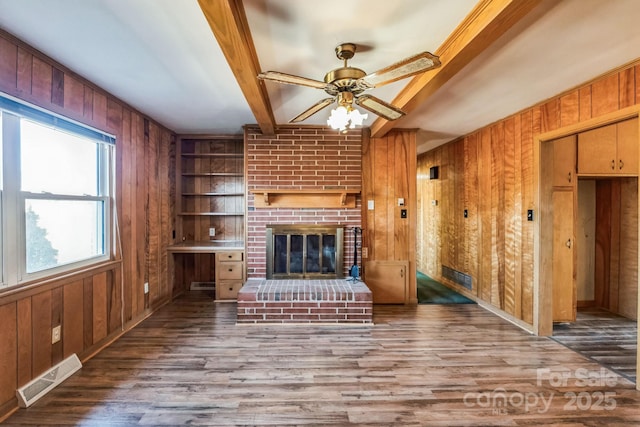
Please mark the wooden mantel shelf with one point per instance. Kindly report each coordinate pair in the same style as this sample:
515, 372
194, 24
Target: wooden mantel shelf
338, 198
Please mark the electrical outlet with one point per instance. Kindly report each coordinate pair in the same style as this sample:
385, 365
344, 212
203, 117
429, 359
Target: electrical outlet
146, 287
212, 232
55, 334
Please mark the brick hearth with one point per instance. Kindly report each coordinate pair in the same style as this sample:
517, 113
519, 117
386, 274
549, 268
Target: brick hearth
305, 301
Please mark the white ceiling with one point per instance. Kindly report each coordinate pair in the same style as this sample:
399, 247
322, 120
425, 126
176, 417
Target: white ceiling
161, 57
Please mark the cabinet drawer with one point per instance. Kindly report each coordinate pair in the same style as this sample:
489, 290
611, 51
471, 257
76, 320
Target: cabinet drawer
229, 256
227, 290
230, 271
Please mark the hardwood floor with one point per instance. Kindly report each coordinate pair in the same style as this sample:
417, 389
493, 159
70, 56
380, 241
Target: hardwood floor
449, 365
604, 337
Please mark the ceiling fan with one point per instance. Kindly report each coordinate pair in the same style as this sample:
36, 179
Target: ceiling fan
346, 84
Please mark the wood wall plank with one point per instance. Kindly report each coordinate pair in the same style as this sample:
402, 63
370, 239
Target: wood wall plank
25, 341
605, 95
87, 312
57, 87
41, 80
471, 195
8, 65
485, 171
56, 320
73, 318
41, 321
518, 214
509, 217
8, 351
628, 271
73, 95
497, 215
25, 65
627, 96
570, 108
100, 309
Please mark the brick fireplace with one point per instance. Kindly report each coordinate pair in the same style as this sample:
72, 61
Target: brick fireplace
303, 161
306, 159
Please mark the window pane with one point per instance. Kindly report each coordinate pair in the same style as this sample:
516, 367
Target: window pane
60, 232
57, 162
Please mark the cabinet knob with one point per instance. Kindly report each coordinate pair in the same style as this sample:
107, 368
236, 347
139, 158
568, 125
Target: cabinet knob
613, 164
568, 243
621, 164
231, 269
569, 177
229, 256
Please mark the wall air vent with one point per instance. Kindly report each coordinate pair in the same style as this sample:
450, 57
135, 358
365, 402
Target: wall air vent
457, 277
46, 382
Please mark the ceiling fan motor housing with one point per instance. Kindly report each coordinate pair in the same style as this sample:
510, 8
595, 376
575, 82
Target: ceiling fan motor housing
344, 78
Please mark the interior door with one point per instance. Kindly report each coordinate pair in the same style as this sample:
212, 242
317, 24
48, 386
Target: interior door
564, 278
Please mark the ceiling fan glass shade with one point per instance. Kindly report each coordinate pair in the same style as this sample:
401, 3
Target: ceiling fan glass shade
312, 110
379, 107
278, 77
400, 70
343, 118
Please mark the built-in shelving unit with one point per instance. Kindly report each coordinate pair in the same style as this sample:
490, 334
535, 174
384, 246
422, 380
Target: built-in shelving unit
210, 206
211, 188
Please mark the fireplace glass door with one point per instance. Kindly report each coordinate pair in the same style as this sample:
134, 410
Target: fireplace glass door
304, 252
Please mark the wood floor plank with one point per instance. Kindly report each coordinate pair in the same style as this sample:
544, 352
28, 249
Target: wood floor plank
190, 364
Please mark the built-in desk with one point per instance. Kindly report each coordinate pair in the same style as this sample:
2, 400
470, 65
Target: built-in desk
194, 264
192, 247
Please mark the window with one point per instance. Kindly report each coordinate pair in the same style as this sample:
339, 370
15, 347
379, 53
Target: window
56, 194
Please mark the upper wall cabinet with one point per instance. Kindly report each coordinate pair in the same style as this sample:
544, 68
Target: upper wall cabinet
564, 161
609, 150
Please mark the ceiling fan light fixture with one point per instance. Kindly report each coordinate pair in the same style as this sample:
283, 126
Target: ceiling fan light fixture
345, 117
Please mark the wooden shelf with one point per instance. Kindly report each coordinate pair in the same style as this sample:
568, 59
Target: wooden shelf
205, 155
211, 213
211, 174
338, 198
212, 194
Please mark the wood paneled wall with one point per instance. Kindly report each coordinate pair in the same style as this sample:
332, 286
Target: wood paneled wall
92, 306
388, 174
616, 242
490, 173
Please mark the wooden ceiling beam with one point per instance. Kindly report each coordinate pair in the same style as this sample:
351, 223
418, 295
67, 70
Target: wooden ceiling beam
488, 20
228, 23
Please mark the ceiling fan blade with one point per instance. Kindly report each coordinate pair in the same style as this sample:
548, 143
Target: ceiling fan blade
379, 107
312, 110
407, 67
278, 77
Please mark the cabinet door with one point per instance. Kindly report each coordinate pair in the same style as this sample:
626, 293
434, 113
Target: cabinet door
387, 281
597, 151
564, 282
628, 147
564, 161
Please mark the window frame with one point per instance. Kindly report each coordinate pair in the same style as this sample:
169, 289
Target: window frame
13, 263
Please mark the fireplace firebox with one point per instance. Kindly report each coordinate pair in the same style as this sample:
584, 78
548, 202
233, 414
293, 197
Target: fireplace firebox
305, 251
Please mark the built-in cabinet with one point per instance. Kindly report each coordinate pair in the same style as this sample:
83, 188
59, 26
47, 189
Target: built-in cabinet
387, 281
611, 149
210, 201
607, 156
230, 274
